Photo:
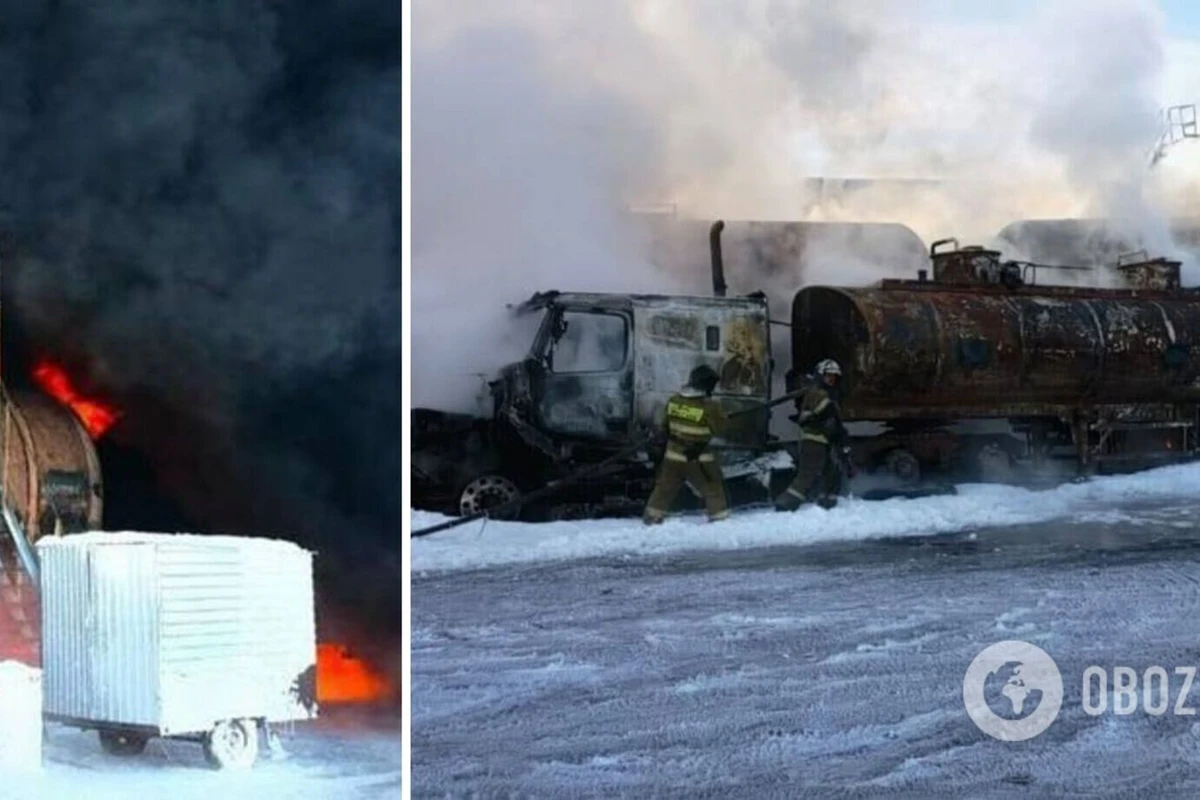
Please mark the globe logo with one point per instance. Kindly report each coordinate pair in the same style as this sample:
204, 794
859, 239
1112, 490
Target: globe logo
1013, 691
1006, 692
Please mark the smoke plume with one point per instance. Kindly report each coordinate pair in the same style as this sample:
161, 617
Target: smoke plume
204, 201
534, 124
517, 188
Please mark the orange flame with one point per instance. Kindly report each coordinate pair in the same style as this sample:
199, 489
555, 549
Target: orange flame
96, 416
342, 678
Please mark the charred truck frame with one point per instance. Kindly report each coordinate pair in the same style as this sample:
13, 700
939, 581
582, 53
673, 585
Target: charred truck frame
599, 371
1106, 378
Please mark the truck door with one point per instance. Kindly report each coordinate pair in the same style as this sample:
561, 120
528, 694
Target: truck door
587, 390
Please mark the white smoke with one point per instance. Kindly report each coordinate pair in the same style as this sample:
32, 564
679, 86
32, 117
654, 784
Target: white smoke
534, 123
517, 188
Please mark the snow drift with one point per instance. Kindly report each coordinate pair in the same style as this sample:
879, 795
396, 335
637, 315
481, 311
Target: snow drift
20, 718
488, 543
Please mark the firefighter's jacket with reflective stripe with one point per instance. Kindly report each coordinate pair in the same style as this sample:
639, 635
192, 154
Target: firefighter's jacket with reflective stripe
819, 417
692, 419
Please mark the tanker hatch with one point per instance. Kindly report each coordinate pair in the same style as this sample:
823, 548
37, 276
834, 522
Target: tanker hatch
973, 265
1139, 271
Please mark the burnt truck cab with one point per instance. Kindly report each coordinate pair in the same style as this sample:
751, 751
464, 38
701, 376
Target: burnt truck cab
596, 378
602, 367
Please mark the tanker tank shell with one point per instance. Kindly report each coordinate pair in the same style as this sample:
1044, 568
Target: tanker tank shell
51, 472
917, 349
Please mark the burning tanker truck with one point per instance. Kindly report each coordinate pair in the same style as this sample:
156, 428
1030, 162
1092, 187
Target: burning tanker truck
973, 368
51, 482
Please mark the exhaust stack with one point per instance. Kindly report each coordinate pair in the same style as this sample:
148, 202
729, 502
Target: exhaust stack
718, 263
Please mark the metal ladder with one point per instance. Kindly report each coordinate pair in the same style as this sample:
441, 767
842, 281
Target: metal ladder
1176, 123
24, 550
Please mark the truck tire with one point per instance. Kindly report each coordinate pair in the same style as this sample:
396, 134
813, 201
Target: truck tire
487, 491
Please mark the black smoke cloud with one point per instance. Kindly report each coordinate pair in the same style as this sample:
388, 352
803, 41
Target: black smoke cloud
203, 203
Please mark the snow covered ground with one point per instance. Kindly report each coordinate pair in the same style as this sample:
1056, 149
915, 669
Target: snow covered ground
347, 754
810, 654
487, 543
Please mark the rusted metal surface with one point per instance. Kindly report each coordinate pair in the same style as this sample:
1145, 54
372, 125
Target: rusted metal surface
967, 265
51, 471
922, 349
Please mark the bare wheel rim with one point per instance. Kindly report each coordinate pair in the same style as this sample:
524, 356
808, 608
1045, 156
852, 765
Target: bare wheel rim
231, 744
229, 739
487, 492
993, 462
904, 465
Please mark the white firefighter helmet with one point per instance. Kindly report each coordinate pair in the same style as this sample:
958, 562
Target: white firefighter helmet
829, 367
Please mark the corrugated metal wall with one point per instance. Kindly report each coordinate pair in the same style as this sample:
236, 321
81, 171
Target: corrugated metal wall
237, 630
176, 632
122, 634
66, 663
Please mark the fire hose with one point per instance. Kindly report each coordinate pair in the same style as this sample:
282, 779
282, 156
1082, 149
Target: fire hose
545, 491
783, 398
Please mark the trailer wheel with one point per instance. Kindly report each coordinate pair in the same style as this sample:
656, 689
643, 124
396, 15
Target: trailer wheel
123, 743
485, 492
904, 465
232, 744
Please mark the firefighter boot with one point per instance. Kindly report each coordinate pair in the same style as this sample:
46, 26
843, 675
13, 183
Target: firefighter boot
666, 486
790, 500
810, 465
707, 478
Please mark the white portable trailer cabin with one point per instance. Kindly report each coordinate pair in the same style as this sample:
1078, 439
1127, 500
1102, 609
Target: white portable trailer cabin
209, 638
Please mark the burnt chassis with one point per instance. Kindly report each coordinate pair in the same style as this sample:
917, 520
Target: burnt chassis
450, 451
1033, 450
912, 453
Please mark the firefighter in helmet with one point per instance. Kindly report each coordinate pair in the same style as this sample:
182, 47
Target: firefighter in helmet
821, 430
692, 418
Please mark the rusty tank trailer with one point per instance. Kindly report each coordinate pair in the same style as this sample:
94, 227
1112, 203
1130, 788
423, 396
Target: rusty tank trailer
1114, 371
52, 484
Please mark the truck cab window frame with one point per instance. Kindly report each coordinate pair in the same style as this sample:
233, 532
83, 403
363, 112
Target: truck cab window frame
600, 358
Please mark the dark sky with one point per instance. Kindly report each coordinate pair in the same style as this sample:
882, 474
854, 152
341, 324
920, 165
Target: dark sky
205, 201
